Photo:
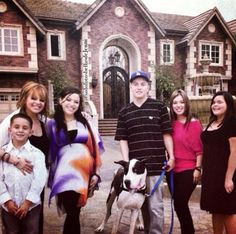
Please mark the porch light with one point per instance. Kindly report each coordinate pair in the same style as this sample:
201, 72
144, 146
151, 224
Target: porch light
114, 58
111, 59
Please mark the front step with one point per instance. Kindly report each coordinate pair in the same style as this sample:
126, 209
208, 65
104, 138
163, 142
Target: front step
107, 127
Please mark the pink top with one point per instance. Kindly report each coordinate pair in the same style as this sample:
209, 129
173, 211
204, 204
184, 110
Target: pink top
187, 144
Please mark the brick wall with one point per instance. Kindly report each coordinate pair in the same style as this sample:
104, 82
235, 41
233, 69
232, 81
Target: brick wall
218, 36
14, 17
105, 23
179, 66
71, 65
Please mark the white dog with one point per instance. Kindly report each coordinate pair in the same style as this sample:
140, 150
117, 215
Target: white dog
129, 186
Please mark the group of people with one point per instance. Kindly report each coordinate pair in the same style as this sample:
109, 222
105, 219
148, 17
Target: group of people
175, 140
69, 147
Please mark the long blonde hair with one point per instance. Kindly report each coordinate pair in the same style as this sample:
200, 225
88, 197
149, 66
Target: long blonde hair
33, 88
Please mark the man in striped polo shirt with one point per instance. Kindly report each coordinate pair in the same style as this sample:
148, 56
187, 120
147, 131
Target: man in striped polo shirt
144, 131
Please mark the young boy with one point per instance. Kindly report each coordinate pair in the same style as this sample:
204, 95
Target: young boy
144, 131
20, 193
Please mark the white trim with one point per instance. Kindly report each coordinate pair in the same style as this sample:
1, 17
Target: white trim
212, 43
20, 43
171, 43
62, 45
18, 69
10, 90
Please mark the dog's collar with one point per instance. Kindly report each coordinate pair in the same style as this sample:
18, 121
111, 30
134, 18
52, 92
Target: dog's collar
140, 190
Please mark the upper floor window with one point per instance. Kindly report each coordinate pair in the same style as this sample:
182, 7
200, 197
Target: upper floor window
167, 52
56, 45
11, 40
213, 50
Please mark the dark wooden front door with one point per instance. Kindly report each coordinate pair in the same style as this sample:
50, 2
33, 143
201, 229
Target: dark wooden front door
115, 90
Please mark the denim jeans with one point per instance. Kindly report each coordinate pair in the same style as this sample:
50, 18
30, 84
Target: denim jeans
153, 208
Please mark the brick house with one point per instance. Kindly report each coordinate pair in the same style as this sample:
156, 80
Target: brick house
232, 82
97, 46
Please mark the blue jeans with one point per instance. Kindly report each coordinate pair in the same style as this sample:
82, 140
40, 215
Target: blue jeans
28, 225
153, 208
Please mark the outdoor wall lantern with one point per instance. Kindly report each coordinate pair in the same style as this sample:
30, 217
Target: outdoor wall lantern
94, 81
113, 59
117, 56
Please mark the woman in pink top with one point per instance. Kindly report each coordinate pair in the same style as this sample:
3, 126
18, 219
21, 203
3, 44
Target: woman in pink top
188, 157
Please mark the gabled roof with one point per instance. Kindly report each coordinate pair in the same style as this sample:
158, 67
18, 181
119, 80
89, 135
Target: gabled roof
232, 26
25, 10
172, 22
196, 25
56, 9
188, 27
83, 18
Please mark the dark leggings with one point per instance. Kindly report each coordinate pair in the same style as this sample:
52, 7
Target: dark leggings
69, 200
41, 219
183, 188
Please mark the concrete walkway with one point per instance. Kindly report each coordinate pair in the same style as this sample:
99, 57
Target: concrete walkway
93, 213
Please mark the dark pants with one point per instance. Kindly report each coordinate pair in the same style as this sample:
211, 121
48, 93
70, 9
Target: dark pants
183, 188
41, 213
69, 201
27, 225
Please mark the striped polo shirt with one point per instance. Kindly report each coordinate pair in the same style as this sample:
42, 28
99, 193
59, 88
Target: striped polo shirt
143, 127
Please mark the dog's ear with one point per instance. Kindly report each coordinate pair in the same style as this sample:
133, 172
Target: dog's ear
122, 163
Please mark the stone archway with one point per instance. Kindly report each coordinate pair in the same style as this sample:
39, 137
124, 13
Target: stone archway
114, 80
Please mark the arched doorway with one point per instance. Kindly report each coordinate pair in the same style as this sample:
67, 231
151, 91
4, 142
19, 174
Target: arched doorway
115, 80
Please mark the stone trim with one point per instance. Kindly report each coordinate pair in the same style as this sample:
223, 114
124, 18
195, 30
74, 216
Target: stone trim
191, 60
18, 69
32, 49
86, 65
152, 60
228, 60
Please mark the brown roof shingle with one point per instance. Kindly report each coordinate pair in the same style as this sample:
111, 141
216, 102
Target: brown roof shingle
55, 9
194, 24
171, 22
232, 26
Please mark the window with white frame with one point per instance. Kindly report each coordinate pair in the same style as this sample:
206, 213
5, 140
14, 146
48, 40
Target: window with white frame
56, 45
167, 52
11, 41
213, 50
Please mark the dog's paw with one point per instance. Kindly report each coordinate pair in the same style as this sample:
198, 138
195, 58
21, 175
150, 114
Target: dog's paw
140, 227
100, 229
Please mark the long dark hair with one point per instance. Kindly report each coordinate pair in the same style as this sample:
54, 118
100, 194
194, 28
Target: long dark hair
59, 116
230, 110
187, 110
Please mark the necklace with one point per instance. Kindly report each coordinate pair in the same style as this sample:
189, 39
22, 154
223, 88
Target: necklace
215, 124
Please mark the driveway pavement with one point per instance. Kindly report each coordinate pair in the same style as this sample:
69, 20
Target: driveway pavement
93, 213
